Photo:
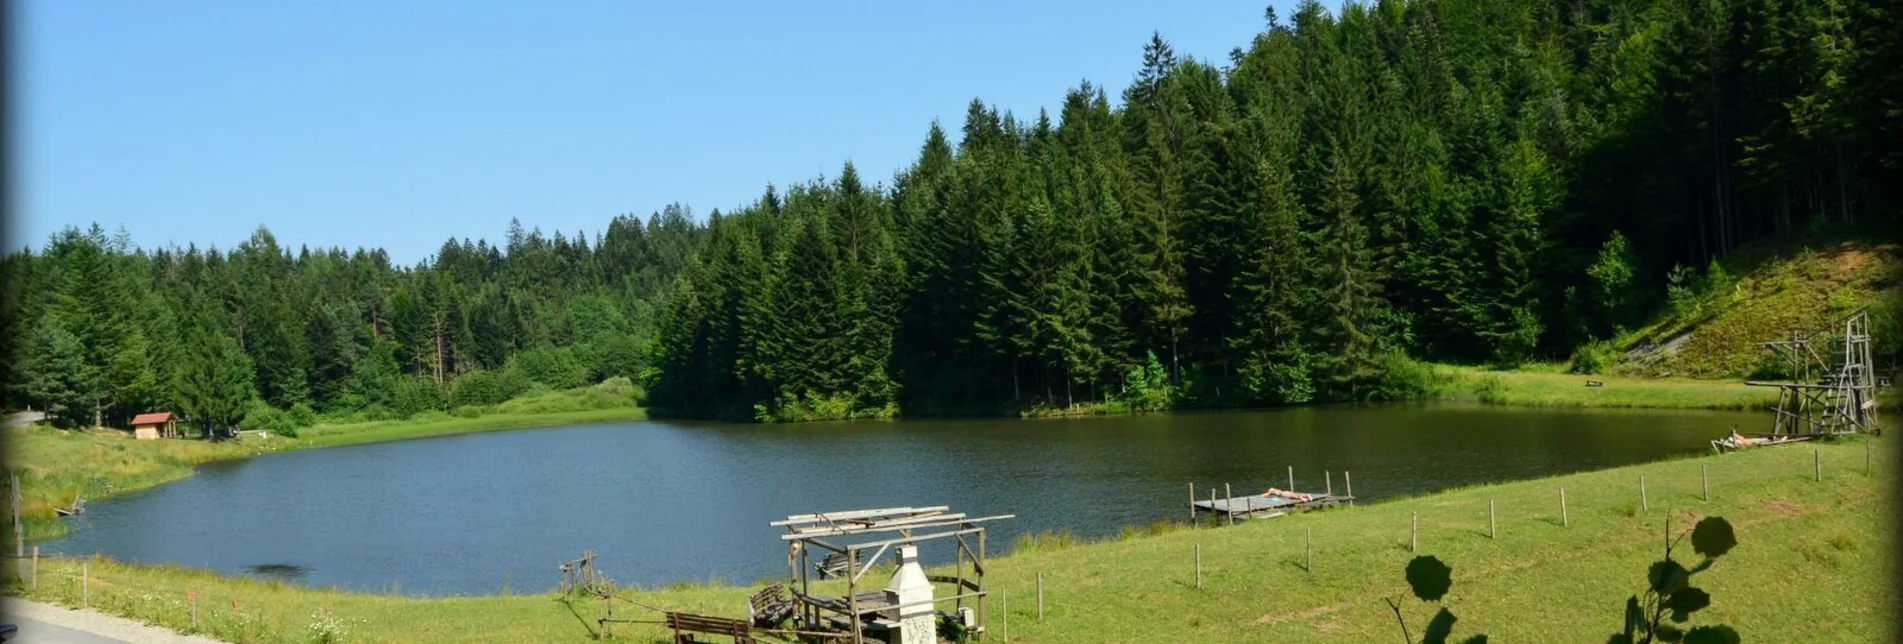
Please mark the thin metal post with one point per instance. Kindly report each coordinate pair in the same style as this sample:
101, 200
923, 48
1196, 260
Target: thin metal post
1704, 480
1040, 596
85, 585
1005, 625
1414, 533
1817, 464
1563, 521
1308, 550
1231, 498
1866, 457
1199, 566
1491, 533
36, 567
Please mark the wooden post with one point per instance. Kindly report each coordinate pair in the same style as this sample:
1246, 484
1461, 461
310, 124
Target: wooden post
1491, 533
1212, 499
36, 567
1866, 457
1230, 496
1645, 505
1040, 596
1351, 486
1308, 550
1414, 533
191, 597
1192, 504
1004, 602
1291, 478
1817, 464
1563, 521
85, 585
19, 535
1199, 566
1329, 479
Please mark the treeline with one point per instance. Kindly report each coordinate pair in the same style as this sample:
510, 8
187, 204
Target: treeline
1461, 180
103, 330
1467, 180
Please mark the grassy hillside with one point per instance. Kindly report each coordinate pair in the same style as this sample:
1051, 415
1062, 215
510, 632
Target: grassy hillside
1768, 291
1814, 564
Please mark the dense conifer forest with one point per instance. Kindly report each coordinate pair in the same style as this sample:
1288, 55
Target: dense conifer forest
1474, 181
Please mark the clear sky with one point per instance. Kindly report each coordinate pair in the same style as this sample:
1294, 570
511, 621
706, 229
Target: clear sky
401, 124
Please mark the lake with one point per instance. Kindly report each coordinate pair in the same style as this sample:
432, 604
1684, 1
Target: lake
661, 501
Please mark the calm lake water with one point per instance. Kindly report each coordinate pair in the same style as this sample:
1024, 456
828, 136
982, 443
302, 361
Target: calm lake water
662, 501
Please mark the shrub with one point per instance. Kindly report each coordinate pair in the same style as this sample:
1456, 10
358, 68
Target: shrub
556, 367
487, 388
1595, 357
1398, 377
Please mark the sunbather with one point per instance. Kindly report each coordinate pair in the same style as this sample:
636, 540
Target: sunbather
1287, 494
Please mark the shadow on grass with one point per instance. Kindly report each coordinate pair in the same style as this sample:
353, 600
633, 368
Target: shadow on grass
578, 618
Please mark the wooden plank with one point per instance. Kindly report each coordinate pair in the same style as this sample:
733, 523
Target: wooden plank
851, 531
816, 517
928, 537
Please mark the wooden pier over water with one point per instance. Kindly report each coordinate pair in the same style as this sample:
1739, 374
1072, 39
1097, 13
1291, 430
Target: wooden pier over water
1265, 507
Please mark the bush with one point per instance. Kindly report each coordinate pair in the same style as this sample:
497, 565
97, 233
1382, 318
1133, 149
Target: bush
487, 388
1148, 387
1399, 377
556, 367
1594, 357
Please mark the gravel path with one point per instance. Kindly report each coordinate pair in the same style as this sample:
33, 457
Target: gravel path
47, 623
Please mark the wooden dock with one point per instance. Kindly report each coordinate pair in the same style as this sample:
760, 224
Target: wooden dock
1264, 507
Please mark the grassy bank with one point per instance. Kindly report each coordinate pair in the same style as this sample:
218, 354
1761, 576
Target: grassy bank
1551, 388
56, 465
1813, 565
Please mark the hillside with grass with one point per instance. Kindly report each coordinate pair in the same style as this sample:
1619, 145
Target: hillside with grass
1712, 321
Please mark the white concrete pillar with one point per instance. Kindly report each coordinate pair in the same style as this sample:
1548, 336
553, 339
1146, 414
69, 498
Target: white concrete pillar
912, 594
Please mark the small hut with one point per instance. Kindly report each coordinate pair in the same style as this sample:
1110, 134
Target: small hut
154, 425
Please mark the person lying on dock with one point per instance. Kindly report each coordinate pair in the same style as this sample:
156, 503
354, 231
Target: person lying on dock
1287, 494
1738, 440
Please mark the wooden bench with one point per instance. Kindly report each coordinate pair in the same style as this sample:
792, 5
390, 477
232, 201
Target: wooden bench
832, 566
685, 626
770, 606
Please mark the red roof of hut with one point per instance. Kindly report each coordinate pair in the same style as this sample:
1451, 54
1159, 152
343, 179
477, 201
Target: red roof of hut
154, 418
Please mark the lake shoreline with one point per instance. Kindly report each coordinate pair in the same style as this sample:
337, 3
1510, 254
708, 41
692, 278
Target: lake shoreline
1361, 551
169, 460
1520, 388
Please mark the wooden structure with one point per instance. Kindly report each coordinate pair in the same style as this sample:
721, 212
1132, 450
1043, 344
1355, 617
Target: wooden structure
857, 614
1265, 507
1826, 395
154, 425
685, 626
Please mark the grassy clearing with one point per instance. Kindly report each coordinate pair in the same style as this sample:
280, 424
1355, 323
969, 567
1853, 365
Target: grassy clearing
56, 465
1813, 565
1550, 387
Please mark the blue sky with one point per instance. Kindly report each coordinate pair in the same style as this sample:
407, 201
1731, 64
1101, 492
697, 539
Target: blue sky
402, 124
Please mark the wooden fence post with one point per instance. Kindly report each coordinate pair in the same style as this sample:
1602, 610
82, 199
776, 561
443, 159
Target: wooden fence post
1817, 464
1291, 478
1328, 479
1491, 533
1230, 496
1199, 566
36, 567
1351, 486
1414, 533
1006, 607
85, 585
1212, 502
191, 597
1192, 504
1308, 550
1866, 457
1704, 480
1563, 521
1040, 596
1645, 505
